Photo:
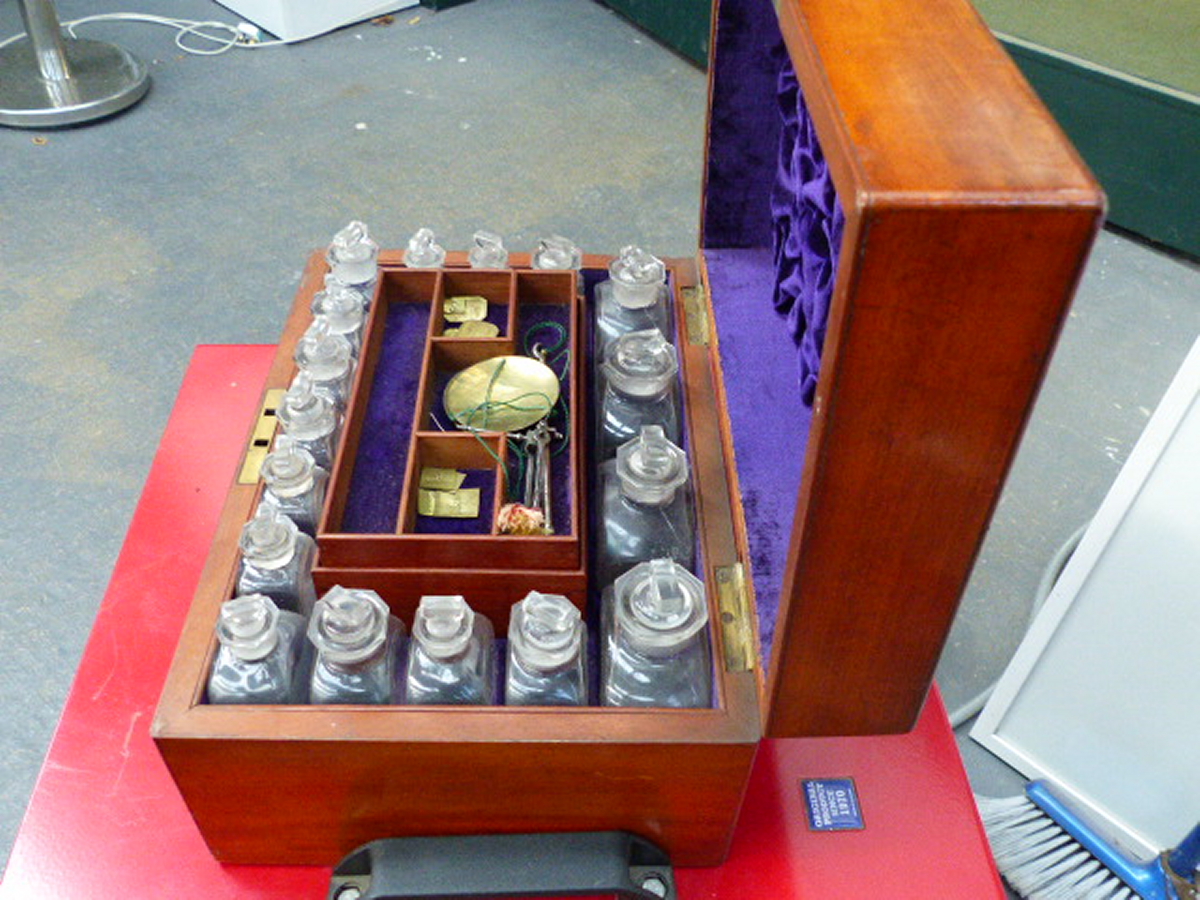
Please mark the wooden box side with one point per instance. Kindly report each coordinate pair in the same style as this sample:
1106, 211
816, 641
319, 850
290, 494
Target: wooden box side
968, 220
311, 802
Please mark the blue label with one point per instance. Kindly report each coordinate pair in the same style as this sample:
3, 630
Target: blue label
832, 804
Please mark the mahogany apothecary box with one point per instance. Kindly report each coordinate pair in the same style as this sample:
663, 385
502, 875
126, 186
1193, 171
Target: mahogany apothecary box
914, 185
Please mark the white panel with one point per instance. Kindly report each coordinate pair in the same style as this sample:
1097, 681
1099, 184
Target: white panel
294, 20
1102, 695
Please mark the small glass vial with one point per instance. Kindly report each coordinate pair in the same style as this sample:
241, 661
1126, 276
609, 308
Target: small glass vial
310, 420
357, 641
634, 298
547, 646
556, 252
656, 649
488, 251
277, 560
261, 654
638, 385
328, 359
295, 483
332, 285
646, 505
423, 251
353, 256
452, 656
342, 308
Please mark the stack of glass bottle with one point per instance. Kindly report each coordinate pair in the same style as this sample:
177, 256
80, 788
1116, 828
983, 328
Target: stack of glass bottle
654, 614
277, 643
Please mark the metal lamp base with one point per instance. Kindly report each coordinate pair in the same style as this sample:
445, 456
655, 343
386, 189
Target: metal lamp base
105, 79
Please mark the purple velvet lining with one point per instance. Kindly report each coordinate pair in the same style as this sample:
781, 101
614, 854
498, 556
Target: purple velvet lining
743, 124
808, 223
769, 423
373, 500
485, 481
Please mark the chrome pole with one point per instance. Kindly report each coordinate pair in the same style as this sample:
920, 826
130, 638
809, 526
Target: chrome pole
49, 79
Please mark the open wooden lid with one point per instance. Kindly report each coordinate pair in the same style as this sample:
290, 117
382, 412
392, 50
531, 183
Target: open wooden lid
967, 220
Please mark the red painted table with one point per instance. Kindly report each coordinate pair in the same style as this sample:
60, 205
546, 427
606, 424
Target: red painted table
105, 820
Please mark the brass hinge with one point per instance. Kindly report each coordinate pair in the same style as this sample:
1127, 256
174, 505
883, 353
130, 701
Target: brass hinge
737, 637
695, 312
260, 440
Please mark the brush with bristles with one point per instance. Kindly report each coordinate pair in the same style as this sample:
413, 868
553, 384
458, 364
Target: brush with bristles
1046, 851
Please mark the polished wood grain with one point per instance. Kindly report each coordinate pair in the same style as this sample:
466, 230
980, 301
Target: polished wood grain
969, 217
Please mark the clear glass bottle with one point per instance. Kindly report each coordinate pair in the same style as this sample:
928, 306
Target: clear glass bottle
423, 251
353, 256
328, 359
637, 388
261, 657
310, 420
547, 653
488, 251
277, 560
646, 506
357, 642
655, 639
342, 308
556, 252
452, 656
363, 292
295, 483
634, 298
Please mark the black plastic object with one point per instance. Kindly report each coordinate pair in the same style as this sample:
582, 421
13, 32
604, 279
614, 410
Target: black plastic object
594, 863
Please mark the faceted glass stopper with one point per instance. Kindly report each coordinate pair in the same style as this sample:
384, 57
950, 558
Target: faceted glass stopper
651, 468
546, 630
269, 539
557, 252
443, 625
323, 353
247, 626
660, 606
641, 363
289, 469
488, 252
352, 255
303, 411
349, 626
342, 306
423, 251
636, 276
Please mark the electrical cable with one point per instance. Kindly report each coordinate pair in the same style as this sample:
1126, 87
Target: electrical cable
222, 35
1050, 574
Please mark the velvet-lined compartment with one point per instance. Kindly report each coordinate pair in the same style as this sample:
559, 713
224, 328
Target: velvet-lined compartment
393, 407
771, 306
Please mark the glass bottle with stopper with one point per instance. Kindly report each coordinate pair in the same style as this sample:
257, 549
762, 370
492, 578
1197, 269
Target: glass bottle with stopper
295, 483
261, 657
423, 251
547, 643
452, 656
488, 251
357, 642
556, 252
310, 420
342, 308
277, 559
637, 386
332, 285
328, 359
646, 507
353, 256
655, 639
633, 298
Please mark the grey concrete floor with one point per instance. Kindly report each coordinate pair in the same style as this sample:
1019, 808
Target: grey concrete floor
188, 219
